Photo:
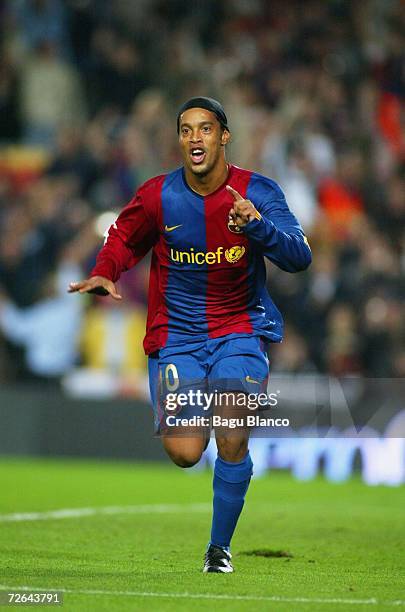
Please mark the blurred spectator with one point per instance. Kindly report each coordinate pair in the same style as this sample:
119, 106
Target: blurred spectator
49, 329
340, 196
38, 21
72, 158
299, 188
116, 71
9, 119
292, 355
342, 348
51, 96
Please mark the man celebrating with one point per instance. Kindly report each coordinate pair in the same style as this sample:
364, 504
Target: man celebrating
210, 225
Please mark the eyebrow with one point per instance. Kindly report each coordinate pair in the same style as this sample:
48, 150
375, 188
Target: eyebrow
200, 123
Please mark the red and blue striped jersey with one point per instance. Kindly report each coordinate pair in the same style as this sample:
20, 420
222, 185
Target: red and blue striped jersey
208, 277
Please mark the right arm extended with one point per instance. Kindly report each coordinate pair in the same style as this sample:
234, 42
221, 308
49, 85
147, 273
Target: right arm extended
127, 241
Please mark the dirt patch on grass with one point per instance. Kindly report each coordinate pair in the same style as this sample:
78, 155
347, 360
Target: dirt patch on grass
267, 552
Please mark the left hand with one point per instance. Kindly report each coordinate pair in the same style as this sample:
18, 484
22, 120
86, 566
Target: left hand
243, 210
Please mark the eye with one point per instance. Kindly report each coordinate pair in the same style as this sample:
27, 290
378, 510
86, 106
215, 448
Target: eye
206, 129
184, 131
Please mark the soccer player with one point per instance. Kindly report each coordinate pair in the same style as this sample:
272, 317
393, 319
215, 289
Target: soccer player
209, 224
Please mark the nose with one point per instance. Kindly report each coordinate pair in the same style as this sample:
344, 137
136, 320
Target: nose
195, 136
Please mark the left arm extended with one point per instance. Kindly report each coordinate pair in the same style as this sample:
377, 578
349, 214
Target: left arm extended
275, 229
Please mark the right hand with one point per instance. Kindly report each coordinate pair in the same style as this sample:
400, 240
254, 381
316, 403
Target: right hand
96, 284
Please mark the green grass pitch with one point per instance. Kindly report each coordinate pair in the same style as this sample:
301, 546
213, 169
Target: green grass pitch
346, 541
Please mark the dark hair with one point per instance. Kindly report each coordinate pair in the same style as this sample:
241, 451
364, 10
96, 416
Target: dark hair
209, 104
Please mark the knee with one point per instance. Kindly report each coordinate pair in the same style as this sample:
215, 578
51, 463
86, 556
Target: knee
184, 459
231, 449
184, 452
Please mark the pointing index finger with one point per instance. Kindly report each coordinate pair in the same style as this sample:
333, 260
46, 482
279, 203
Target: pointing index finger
235, 194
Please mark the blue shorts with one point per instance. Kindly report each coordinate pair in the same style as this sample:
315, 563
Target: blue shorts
235, 362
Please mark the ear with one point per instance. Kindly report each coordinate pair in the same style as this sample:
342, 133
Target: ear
225, 137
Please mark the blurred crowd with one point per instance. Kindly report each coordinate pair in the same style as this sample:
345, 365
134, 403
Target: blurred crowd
314, 94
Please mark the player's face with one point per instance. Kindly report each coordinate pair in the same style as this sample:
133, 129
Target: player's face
201, 140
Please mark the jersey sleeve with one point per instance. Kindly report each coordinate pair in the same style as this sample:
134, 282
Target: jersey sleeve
128, 239
277, 232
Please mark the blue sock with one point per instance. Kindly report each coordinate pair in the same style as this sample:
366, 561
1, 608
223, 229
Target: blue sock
231, 481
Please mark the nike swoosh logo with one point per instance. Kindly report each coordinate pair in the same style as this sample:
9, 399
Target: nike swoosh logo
173, 227
250, 380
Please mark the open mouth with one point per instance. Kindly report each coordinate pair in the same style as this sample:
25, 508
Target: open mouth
197, 155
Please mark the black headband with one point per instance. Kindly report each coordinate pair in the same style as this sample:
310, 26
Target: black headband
209, 104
